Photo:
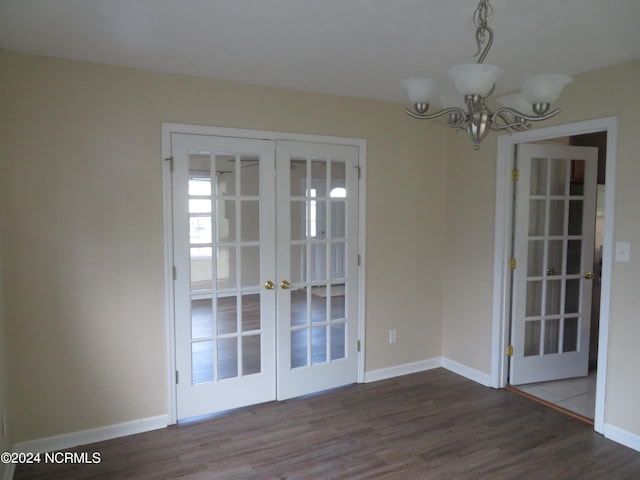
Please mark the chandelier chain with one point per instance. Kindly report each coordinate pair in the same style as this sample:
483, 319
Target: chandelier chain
482, 15
480, 22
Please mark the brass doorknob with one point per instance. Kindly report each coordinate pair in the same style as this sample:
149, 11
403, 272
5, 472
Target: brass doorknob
551, 271
285, 285
269, 285
589, 276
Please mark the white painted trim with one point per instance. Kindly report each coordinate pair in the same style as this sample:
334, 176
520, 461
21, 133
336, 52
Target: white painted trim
169, 128
85, 437
623, 437
167, 210
429, 364
500, 317
608, 258
467, 372
362, 276
405, 369
501, 253
9, 470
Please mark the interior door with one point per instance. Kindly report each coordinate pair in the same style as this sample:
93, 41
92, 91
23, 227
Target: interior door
317, 269
224, 243
553, 247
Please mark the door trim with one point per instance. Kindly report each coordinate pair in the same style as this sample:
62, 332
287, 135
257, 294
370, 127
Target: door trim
170, 128
502, 242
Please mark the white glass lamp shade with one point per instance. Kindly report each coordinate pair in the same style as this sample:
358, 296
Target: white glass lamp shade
452, 100
419, 89
544, 88
474, 78
517, 102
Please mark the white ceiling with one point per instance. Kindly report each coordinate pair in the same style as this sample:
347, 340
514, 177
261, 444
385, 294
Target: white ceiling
359, 48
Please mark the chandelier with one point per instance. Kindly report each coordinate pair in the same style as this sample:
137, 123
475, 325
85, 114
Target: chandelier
475, 83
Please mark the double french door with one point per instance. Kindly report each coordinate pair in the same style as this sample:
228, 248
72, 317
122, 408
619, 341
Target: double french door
265, 237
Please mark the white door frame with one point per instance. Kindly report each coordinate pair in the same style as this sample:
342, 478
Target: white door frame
167, 130
502, 241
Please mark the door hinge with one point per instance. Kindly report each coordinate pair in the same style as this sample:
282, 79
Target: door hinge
359, 172
513, 263
515, 174
174, 272
170, 160
177, 377
359, 260
358, 345
509, 351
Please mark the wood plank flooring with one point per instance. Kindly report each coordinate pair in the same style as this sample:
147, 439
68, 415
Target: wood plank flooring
429, 425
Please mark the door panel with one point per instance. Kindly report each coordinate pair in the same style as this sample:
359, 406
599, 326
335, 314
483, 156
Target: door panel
224, 240
317, 255
553, 245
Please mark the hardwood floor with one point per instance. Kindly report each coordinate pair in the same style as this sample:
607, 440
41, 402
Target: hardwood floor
429, 425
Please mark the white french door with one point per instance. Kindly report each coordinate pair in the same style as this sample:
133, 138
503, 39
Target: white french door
317, 259
224, 238
554, 250
260, 312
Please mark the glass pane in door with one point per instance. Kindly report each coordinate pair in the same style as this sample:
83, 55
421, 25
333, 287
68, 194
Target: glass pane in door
538, 181
558, 178
225, 266
318, 256
554, 255
201, 268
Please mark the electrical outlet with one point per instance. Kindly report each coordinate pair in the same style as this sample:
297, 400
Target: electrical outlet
623, 250
393, 336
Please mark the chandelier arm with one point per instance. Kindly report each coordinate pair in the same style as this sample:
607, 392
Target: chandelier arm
517, 126
508, 123
531, 118
463, 115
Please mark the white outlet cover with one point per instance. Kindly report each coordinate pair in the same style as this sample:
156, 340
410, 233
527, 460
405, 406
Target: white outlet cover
393, 336
623, 251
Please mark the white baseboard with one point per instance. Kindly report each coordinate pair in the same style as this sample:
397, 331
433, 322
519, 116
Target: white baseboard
623, 437
85, 437
399, 370
468, 372
423, 365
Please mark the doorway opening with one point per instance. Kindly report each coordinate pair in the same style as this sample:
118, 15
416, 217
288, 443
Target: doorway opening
247, 214
577, 134
576, 395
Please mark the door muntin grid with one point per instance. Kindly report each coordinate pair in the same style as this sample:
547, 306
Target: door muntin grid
318, 256
224, 240
553, 277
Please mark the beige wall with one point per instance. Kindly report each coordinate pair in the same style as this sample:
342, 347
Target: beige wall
470, 205
83, 229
